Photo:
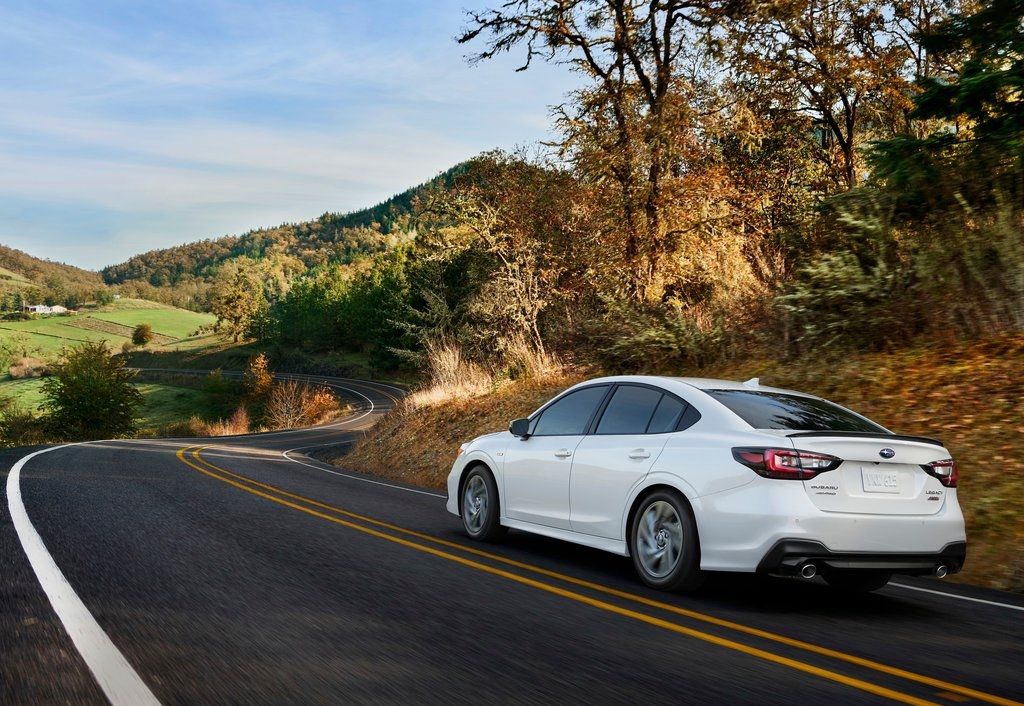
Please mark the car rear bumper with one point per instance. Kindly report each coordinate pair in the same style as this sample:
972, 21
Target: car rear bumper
787, 556
740, 527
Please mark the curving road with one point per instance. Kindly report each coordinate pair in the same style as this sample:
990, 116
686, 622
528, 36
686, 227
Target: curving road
240, 570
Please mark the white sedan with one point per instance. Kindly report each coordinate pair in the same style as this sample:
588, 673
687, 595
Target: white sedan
690, 475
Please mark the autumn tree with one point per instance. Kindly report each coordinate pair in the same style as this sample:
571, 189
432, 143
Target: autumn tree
257, 378
142, 335
846, 65
518, 222
631, 122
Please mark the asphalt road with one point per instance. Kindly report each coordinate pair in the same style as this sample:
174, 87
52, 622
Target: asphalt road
228, 571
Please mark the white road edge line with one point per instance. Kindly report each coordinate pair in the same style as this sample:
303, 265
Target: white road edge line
364, 480
119, 681
368, 412
348, 475
958, 597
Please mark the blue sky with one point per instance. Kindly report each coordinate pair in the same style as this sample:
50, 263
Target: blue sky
126, 126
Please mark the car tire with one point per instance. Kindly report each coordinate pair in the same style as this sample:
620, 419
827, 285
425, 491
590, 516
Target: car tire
663, 543
856, 581
479, 506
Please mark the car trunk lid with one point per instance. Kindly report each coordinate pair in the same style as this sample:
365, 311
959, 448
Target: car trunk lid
881, 474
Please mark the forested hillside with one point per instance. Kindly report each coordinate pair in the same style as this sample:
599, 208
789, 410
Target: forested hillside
29, 280
181, 275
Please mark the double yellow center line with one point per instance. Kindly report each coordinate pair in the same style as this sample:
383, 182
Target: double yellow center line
404, 537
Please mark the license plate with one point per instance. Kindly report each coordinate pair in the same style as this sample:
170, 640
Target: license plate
879, 481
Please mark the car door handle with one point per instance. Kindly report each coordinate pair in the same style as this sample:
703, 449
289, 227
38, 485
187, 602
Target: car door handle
639, 453
563, 453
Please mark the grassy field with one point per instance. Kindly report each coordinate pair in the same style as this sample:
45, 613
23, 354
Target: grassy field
167, 404
163, 404
174, 323
969, 395
45, 337
27, 393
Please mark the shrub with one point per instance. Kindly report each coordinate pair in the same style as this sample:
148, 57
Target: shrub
837, 301
91, 396
955, 271
142, 335
19, 427
224, 395
292, 404
237, 423
215, 383
29, 368
657, 337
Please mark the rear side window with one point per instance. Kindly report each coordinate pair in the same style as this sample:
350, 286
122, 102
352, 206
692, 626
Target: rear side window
666, 416
629, 410
570, 415
776, 410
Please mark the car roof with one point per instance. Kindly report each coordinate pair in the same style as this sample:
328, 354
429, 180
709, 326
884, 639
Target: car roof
702, 384
715, 384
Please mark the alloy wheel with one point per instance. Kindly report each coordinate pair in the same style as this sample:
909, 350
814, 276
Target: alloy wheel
659, 539
474, 504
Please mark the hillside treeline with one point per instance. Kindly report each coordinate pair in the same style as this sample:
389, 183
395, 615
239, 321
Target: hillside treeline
785, 176
182, 275
30, 280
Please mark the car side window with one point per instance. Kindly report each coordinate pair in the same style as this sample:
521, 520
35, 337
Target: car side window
570, 415
666, 416
690, 417
630, 410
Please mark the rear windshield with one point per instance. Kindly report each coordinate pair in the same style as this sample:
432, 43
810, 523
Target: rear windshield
776, 410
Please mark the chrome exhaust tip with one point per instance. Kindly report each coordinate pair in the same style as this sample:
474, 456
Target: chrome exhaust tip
809, 570
941, 571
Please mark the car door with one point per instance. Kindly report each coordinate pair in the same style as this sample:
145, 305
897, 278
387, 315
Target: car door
537, 467
626, 441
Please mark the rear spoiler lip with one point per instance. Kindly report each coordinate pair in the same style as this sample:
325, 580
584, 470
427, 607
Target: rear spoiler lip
868, 435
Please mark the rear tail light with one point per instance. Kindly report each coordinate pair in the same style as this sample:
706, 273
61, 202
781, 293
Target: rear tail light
945, 470
785, 464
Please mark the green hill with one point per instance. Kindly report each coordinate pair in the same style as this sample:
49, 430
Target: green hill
31, 279
333, 237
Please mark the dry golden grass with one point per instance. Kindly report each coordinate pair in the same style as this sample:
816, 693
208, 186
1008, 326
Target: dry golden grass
451, 377
418, 444
237, 423
970, 395
29, 368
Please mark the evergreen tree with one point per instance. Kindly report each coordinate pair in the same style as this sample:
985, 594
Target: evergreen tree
978, 113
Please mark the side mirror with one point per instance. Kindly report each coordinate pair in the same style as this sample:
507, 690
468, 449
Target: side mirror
520, 428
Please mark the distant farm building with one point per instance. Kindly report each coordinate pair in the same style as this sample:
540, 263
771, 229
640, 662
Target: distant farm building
44, 309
